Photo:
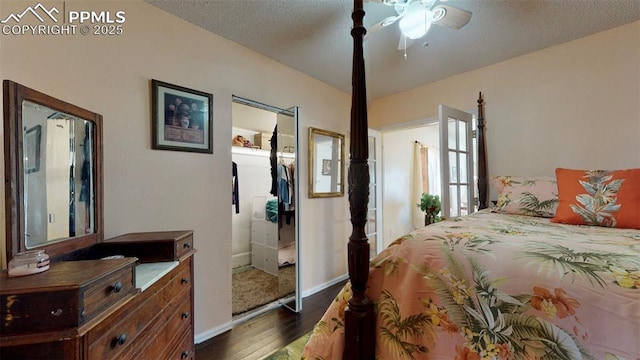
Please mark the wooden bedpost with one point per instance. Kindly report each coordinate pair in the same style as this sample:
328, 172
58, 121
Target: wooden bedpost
359, 316
482, 157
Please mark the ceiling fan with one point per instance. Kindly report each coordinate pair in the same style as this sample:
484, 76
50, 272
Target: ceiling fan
415, 18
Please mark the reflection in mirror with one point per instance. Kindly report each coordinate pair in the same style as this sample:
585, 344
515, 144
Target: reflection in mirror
58, 196
265, 208
326, 151
53, 173
288, 213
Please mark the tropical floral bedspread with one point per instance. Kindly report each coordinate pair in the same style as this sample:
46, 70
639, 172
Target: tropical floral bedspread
497, 286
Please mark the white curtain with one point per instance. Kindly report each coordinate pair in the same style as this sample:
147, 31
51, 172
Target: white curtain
433, 169
424, 163
417, 215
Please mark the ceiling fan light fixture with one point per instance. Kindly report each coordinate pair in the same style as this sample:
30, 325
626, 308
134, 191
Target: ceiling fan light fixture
394, 2
388, 21
438, 14
416, 22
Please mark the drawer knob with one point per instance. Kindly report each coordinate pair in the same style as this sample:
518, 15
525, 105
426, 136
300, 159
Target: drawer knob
186, 245
184, 281
116, 287
185, 315
184, 355
56, 312
121, 339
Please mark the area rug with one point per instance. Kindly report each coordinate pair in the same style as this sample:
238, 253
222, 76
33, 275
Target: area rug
253, 288
293, 351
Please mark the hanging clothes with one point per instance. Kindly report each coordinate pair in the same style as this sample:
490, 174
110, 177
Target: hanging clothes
291, 183
290, 212
272, 210
273, 158
286, 203
235, 195
85, 177
283, 185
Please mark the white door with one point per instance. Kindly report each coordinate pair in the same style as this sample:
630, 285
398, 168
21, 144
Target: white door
374, 208
456, 158
57, 173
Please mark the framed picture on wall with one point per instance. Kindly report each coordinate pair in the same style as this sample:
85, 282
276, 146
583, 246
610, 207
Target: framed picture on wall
326, 167
182, 119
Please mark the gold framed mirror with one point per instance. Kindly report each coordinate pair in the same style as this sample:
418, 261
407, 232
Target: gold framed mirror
326, 165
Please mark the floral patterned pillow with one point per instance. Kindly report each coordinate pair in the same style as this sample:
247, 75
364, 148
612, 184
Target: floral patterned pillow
608, 198
533, 196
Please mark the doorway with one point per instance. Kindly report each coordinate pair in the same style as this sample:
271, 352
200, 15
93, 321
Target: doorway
398, 149
264, 231
457, 158
401, 143
374, 228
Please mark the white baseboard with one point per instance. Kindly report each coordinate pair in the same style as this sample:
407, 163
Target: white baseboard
321, 287
211, 333
238, 319
239, 260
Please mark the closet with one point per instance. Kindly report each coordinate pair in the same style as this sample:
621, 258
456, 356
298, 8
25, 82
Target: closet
265, 212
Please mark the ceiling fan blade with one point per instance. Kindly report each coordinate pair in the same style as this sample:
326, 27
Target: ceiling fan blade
404, 43
454, 17
381, 24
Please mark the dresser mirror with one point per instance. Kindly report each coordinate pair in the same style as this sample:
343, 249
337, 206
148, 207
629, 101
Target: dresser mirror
326, 152
127, 297
53, 193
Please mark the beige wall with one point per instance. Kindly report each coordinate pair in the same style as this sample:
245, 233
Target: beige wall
147, 190
536, 105
572, 105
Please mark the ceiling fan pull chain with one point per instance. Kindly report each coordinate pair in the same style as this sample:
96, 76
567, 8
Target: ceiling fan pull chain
426, 19
405, 46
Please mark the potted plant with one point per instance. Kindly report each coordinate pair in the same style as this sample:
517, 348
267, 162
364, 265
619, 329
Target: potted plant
430, 205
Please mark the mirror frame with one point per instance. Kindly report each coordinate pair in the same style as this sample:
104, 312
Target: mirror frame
13, 96
312, 132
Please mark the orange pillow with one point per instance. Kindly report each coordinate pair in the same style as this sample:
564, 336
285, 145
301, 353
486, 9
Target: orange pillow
608, 198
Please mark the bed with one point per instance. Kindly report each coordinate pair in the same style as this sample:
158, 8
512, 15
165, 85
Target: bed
500, 286
517, 281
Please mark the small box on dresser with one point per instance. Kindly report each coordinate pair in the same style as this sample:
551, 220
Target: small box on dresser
151, 246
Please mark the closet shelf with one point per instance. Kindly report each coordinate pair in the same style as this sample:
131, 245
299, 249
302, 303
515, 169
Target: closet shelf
250, 151
259, 152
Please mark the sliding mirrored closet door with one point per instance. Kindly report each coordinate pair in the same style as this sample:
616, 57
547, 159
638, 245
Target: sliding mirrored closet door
266, 211
288, 249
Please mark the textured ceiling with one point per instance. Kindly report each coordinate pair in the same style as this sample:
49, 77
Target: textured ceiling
313, 36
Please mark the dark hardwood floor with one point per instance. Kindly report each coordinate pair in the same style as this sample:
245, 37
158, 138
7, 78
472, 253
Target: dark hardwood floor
268, 332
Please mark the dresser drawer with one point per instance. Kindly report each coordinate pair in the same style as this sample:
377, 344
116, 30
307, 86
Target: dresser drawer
180, 278
185, 349
166, 331
184, 245
115, 337
151, 246
107, 291
41, 311
53, 304
46, 350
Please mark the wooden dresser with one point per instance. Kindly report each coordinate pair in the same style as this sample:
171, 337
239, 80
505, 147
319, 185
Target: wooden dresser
136, 307
129, 297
